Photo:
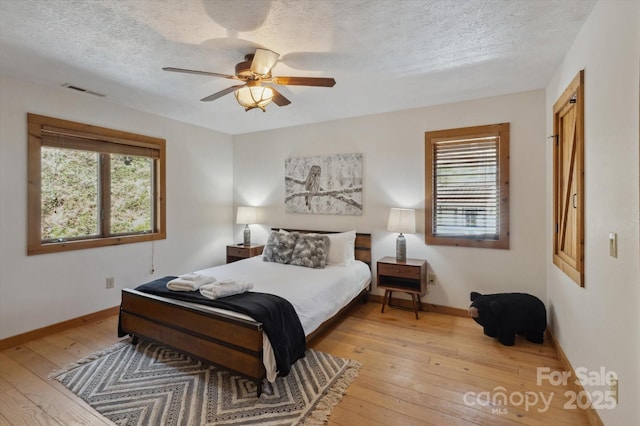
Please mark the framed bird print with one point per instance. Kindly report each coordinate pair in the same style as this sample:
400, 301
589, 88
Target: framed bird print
329, 184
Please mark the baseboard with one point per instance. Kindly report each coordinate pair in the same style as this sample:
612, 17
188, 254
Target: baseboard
56, 328
592, 414
427, 307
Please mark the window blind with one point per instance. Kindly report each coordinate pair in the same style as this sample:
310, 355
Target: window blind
70, 139
466, 192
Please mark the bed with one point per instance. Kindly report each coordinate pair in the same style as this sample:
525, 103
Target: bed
235, 341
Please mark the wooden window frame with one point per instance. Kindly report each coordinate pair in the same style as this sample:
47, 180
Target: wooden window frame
96, 139
569, 260
502, 132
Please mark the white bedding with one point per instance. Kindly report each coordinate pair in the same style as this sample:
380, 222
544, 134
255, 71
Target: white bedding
316, 294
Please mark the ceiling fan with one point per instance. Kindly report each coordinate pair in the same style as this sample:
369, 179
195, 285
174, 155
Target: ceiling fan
257, 90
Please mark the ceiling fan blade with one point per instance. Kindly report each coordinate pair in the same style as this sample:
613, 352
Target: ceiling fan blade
278, 98
222, 93
214, 74
263, 61
304, 81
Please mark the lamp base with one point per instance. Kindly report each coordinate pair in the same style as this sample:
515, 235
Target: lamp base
247, 235
401, 249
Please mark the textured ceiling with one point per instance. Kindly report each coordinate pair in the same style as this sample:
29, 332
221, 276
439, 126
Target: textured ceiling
386, 55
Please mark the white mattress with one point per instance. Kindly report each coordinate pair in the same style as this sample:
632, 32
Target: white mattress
316, 294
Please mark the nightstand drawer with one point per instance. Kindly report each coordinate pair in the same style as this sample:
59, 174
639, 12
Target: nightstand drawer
400, 271
238, 251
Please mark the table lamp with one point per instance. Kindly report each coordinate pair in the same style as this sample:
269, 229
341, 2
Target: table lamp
404, 222
247, 216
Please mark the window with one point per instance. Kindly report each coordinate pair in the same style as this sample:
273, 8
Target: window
92, 187
467, 186
568, 181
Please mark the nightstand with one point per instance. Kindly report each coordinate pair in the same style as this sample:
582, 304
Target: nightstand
240, 251
408, 277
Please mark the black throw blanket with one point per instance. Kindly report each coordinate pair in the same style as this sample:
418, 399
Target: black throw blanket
277, 315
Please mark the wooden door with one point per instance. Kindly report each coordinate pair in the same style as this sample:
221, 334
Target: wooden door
568, 180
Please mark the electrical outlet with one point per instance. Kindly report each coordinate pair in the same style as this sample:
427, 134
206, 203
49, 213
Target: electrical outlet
110, 282
613, 387
431, 278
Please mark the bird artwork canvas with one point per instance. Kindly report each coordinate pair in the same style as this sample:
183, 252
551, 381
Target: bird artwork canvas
330, 184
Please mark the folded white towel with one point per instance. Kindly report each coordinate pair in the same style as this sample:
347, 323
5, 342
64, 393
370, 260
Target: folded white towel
192, 276
183, 284
200, 279
229, 288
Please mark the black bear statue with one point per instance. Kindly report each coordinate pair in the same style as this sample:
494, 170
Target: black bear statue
503, 315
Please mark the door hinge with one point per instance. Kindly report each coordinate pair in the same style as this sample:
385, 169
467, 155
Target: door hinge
557, 228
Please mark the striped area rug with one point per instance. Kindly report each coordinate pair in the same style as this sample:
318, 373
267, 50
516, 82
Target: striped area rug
148, 384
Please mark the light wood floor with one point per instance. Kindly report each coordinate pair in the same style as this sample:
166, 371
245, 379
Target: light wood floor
414, 373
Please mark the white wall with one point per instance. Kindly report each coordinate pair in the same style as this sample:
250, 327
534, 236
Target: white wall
393, 148
36, 291
599, 325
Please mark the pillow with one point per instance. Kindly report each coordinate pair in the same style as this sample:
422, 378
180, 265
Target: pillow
342, 249
279, 247
311, 251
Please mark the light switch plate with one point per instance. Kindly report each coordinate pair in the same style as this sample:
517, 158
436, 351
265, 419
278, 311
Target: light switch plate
613, 244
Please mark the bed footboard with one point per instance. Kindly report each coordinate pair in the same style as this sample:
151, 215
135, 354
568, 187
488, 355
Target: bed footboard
223, 340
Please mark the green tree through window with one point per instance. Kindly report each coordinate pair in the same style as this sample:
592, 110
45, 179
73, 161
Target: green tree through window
69, 194
131, 194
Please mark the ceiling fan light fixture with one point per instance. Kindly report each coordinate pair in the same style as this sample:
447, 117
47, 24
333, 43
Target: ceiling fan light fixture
255, 70
251, 97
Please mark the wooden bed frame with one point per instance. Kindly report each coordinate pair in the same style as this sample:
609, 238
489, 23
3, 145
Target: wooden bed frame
223, 340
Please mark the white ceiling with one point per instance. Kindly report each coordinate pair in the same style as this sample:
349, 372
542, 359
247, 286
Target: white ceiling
386, 55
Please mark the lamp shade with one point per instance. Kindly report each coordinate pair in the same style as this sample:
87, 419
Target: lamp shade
247, 215
402, 221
